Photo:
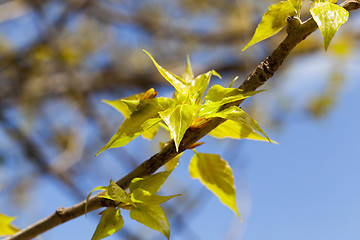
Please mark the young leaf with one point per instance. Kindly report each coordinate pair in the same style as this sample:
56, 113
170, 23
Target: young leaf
146, 116
217, 96
179, 119
142, 196
237, 130
151, 184
116, 193
188, 76
199, 84
152, 216
126, 105
236, 114
151, 132
272, 22
329, 17
5, 225
216, 174
111, 221
223, 95
174, 80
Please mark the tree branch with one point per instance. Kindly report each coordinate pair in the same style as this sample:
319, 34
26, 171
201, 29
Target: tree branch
297, 32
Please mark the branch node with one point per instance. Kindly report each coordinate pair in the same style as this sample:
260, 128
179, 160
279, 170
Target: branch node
61, 213
293, 23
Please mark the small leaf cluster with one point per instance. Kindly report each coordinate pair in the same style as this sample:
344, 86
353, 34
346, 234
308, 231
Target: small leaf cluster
144, 113
328, 16
141, 200
190, 107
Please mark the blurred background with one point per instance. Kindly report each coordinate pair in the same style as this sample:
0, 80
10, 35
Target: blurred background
59, 59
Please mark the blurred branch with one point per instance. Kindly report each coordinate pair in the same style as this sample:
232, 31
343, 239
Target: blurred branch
164, 29
33, 153
297, 32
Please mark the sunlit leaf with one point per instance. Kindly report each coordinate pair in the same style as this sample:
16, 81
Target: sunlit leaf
146, 116
152, 216
236, 114
329, 17
178, 120
5, 225
116, 193
272, 21
216, 174
177, 82
151, 132
199, 85
236, 130
111, 221
188, 76
126, 105
142, 196
217, 96
218, 93
151, 184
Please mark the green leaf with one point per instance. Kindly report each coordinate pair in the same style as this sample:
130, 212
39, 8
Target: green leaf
217, 96
126, 105
272, 22
151, 132
236, 114
198, 86
223, 95
146, 116
329, 17
178, 119
237, 130
297, 5
111, 221
177, 82
116, 193
152, 216
216, 174
5, 225
188, 76
142, 196
151, 184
